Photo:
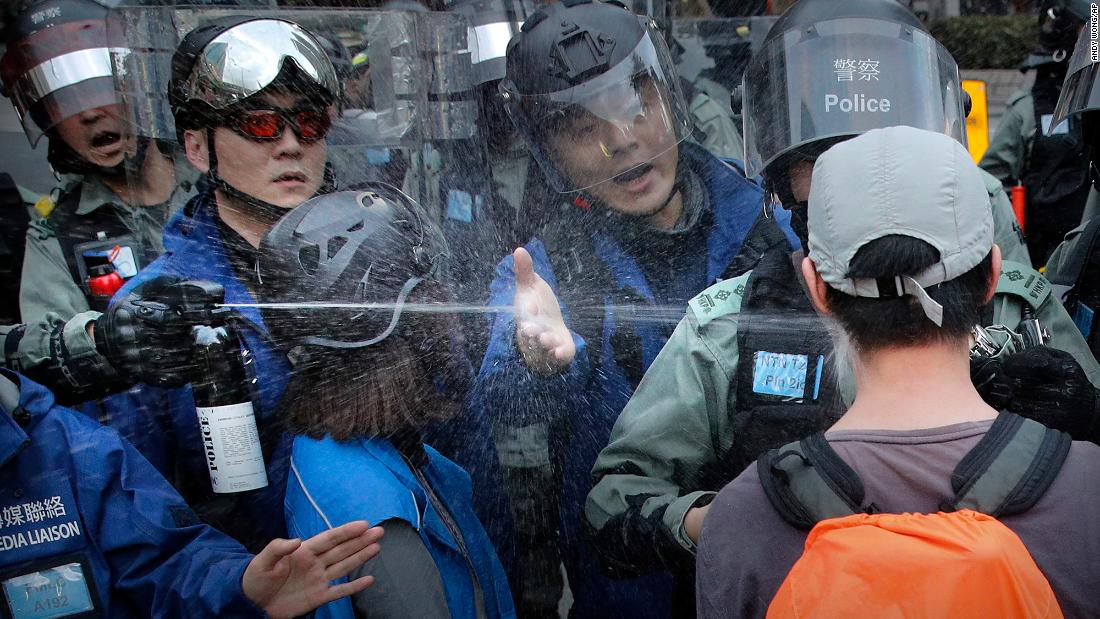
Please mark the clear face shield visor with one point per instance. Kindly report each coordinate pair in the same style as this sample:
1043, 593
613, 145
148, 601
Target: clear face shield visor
607, 126
60, 72
238, 63
842, 78
1081, 90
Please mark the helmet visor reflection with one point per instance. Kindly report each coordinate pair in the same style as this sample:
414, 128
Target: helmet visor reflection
626, 117
239, 62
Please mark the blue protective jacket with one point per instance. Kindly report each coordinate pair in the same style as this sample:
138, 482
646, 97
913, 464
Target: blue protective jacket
194, 250
585, 400
86, 520
333, 483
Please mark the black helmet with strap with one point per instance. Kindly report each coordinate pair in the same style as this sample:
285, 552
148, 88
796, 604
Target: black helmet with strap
368, 249
837, 69
58, 62
221, 65
578, 63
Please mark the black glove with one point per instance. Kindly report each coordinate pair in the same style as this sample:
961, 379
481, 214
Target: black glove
146, 336
988, 376
1050, 386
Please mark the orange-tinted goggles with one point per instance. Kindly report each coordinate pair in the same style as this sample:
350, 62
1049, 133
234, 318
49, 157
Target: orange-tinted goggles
309, 124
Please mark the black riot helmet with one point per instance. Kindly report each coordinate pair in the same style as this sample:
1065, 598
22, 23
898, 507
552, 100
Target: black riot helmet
57, 63
1080, 92
368, 249
1080, 95
580, 69
220, 66
831, 70
1059, 21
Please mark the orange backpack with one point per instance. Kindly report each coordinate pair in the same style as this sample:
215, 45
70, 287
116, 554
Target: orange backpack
960, 562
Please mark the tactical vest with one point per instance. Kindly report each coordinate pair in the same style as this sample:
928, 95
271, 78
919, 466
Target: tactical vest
80, 234
1077, 284
13, 234
1056, 183
785, 382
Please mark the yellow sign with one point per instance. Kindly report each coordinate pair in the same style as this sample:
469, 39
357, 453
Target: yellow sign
977, 122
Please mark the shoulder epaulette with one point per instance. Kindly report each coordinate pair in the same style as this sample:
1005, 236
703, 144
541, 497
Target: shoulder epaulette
720, 299
42, 228
1020, 280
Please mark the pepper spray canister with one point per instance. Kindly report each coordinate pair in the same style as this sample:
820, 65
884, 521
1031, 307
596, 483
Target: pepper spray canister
223, 403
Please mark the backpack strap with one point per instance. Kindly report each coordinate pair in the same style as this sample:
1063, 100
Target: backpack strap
1006, 473
1010, 468
807, 482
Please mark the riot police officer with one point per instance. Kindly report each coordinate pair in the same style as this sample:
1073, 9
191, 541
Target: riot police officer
1048, 161
58, 72
645, 220
102, 224
752, 365
1073, 264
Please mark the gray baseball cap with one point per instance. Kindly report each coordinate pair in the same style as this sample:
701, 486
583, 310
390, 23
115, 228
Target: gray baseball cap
904, 181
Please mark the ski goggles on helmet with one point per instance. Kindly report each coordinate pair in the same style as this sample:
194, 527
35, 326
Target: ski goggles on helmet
606, 126
250, 57
262, 125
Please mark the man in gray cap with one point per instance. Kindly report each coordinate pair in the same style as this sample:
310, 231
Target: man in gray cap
904, 265
718, 395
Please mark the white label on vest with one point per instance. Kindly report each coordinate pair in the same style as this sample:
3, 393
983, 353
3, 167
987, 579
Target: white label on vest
1061, 129
232, 447
60, 591
781, 374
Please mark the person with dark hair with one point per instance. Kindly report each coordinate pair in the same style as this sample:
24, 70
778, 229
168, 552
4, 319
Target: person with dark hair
904, 265
750, 366
366, 382
257, 135
643, 219
103, 223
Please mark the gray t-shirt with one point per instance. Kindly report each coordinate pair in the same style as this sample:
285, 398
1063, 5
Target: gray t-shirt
746, 549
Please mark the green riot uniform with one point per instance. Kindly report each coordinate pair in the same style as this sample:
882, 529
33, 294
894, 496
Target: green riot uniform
1007, 152
671, 447
1009, 148
55, 309
1061, 254
710, 115
46, 264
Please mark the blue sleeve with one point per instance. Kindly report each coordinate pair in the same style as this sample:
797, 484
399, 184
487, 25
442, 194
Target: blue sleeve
783, 218
505, 389
162, 559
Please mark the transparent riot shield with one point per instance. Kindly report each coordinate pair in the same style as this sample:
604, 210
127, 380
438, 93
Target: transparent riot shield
407, 114
406, 117
711, 56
